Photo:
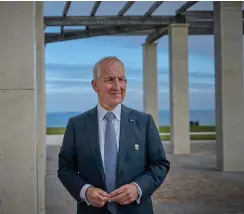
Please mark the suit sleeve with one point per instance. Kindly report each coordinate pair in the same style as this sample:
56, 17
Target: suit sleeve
157, 164
67, 170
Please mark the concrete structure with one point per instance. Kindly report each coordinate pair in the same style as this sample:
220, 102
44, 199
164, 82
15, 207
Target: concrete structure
22, 104
22, 84
229, 85
41, 107
178, 75
18, 165
150, 80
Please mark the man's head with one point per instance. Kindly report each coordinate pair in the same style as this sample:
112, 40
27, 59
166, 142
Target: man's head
109, 82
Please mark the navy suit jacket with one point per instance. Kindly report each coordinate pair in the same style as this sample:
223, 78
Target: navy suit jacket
80, 160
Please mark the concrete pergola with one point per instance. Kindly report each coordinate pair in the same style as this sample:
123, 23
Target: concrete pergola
22, 84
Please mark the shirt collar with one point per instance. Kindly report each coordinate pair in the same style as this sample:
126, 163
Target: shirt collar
102, 112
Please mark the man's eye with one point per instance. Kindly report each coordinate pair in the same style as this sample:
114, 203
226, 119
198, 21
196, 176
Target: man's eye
109, 80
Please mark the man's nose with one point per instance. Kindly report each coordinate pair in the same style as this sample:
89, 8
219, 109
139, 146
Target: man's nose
116, 84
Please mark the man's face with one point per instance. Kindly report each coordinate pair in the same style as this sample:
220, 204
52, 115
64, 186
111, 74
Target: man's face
111, 83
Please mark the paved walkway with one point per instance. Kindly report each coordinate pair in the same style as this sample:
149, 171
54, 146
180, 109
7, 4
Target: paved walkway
192, 186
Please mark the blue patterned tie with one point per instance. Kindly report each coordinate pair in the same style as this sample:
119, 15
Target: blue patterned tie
110, 158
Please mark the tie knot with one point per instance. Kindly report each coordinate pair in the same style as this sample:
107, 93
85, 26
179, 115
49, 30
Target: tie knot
109, 116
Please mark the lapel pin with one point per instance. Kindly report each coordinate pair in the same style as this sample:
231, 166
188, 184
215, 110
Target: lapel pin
136, 146
131, 120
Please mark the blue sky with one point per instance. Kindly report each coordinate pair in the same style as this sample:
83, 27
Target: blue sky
69, 64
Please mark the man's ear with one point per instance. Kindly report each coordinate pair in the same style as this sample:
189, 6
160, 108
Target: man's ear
94, 85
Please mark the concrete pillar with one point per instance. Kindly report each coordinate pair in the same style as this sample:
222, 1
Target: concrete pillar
41, 107
229, 85
150, 83
18, 170
178, 78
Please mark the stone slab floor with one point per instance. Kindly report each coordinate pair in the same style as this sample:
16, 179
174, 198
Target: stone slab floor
192, 186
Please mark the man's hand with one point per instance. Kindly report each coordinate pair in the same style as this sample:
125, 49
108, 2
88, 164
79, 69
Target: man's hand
96, 196
125, 194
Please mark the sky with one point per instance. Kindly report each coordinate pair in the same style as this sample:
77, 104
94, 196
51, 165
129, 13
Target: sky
69, 64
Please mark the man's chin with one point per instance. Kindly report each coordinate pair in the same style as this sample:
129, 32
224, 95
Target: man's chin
117, 101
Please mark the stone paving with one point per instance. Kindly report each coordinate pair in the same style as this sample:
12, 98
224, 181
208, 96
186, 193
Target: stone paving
193, 185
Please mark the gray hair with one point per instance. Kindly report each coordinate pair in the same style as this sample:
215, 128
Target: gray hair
96, 68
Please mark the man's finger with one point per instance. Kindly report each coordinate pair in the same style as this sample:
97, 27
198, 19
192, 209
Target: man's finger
104, 194
117, 191
126, 202
97, 204
121, 196
101, 198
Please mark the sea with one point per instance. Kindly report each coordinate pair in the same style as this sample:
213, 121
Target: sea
203, 117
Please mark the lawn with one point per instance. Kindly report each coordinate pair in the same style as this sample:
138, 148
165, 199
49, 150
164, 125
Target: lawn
162, 129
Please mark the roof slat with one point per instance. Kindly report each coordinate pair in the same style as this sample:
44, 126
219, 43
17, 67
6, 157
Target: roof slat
95, 8
184, 7
65, 11
153, 8
66, 8
125, 8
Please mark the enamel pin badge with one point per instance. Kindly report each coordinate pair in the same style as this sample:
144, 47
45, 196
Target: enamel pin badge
136, 146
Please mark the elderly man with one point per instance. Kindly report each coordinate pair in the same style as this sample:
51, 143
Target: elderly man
112, 159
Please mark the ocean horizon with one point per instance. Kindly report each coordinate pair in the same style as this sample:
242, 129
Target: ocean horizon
203, 117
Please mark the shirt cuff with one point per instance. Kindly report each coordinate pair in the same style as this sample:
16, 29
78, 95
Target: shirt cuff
139, 193
83, 194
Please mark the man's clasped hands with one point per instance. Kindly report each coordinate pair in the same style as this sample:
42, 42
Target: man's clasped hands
124, 195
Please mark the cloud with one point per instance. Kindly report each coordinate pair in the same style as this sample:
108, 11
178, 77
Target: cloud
68, 87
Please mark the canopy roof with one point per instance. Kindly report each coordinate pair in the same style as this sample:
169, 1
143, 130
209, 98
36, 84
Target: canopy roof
76, 20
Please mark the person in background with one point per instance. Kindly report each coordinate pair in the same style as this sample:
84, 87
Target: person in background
112, 159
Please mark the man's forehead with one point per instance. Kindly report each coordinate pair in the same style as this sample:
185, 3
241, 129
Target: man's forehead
113, 69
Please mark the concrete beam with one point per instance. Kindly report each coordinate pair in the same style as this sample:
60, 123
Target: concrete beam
195, 28
93, 32
107, 20
188, 16
156, 34
197, 15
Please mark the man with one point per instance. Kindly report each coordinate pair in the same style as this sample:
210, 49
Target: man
112, 158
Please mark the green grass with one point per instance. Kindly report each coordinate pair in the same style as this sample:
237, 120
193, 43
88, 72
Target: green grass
55, 131
162, 129
192, 137
192, 129
202, 128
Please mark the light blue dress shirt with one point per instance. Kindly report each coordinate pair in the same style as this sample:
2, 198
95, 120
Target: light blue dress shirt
102, 126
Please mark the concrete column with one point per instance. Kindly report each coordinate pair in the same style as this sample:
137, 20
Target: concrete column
41, 107
18, 170
229, 85
178, 78
150, 83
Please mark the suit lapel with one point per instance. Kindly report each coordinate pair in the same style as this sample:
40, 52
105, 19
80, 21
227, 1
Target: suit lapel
93, 139
125, 132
